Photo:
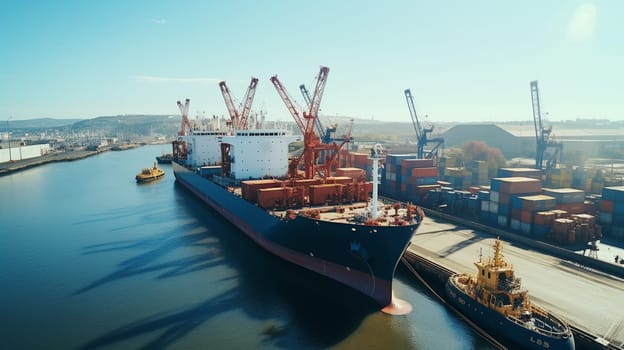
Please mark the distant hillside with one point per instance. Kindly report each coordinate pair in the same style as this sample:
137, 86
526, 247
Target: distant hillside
41, 123
115, 126
130, 125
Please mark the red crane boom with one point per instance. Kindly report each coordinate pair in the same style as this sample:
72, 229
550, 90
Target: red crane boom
311, 141
249, 96
289, 104
185, 127
239, 119
232, 111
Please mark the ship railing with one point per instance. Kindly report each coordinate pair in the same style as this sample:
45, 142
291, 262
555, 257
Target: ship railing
540, 326
225, 181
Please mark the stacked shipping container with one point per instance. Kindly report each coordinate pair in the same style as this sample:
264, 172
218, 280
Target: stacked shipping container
355, 160
502, 191
523, 210
520, 172
568, 199
612, 210
408, 178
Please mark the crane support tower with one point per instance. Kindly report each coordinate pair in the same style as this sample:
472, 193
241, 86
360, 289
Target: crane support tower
422, 133
313, 145
543, 137
325, 133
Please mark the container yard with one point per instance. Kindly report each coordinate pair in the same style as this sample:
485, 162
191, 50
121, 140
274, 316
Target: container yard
515, 200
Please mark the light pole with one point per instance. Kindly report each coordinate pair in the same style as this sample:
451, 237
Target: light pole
9, 139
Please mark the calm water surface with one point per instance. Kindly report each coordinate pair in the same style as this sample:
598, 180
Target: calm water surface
89, 259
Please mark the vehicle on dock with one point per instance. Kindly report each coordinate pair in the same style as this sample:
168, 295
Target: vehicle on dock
150, 174
495, 300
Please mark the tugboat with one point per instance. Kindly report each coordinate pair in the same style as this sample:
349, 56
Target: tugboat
164, 158
149, 174
495, 300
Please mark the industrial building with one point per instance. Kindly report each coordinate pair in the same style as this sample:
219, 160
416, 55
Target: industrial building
518, 140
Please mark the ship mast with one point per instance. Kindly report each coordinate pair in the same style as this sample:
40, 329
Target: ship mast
375, 156
498, 255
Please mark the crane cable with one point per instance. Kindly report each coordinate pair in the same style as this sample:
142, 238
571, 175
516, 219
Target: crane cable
473, 325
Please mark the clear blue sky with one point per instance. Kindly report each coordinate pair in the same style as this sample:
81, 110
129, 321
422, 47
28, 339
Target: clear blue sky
463, 60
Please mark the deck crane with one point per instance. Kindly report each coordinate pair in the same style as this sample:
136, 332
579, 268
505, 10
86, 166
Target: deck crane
422, 133
331, 158
306, 121
325, 134
238, 119
179, 145
185, 127
542, 135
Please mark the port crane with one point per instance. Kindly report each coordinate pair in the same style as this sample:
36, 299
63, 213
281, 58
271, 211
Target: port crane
179, 145
307, 123
185, 127
238, 119
422, 133
326, 133
542, 135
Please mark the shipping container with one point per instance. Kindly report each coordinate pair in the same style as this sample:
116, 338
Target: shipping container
250, 187
565, 195
516, 185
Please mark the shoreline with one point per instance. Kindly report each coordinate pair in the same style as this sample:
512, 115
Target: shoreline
15, 166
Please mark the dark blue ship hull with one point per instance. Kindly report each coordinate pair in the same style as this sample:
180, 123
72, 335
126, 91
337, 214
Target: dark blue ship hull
361, 257
502, 327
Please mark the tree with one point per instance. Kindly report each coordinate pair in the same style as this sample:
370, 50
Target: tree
478, 150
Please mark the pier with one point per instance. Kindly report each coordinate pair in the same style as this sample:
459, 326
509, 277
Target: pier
587, 297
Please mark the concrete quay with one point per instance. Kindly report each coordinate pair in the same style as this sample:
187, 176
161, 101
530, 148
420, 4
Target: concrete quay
588, 299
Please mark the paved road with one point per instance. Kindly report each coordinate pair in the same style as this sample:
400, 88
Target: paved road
590, 300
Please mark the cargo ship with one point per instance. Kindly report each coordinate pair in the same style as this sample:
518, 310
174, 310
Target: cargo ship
495, 300
299, 206
332, 225
149, 174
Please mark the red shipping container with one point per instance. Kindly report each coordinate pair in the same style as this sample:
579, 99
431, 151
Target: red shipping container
606, 206
572, 208
424, 172
526, 216
319, 194
417, 163
517, 185
250, 187
338, 180
271, 197
544, 217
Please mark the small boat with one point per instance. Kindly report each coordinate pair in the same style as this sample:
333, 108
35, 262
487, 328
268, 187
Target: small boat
164, 158
495, 301
150, 174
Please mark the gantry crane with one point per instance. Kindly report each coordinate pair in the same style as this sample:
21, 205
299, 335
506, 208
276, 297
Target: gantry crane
306, 121
542, 135
238, 120
422, 133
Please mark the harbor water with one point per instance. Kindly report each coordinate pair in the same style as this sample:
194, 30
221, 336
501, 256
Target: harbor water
89, 259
